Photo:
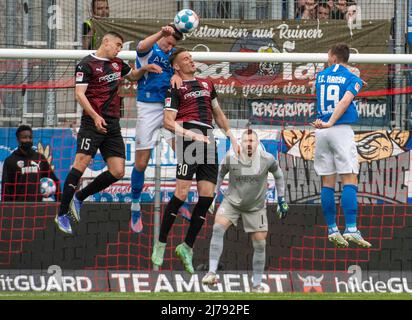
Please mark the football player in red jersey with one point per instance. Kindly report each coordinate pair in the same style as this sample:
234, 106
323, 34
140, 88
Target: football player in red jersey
98, 77
189, 112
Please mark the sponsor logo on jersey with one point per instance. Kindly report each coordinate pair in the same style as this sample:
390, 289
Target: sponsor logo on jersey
161, 61
168, 102
357, 87
205, 85
197, 94
79, 76
20, 163
99, 69
115, 66
247, 179
111, 77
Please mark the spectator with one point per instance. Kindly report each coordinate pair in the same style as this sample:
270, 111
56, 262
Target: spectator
331, 5
100, 9
300, 7
309, 11
351, 13
323, 12
23, 169
340, 11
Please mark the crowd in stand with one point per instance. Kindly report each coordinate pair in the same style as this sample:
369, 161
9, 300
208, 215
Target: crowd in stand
326, 9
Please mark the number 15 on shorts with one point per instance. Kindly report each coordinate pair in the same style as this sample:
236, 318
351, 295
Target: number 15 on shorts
85, 145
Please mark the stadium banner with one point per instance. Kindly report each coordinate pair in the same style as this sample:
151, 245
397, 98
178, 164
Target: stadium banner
372, 112
273, 81
385, 163
59, 148
54, 279
384, 156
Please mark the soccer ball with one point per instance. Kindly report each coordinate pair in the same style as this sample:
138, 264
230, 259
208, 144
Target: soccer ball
186, 21
47, 187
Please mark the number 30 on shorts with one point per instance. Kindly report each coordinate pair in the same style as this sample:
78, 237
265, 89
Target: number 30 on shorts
181, 169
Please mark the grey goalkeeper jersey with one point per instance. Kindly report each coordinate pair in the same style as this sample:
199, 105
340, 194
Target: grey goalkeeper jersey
248, 180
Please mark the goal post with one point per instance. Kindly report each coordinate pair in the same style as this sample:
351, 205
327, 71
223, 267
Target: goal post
213, 56
270, 92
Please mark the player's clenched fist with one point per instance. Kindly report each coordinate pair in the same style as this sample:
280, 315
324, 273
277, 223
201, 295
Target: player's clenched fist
100, 124
200, 138
167, 31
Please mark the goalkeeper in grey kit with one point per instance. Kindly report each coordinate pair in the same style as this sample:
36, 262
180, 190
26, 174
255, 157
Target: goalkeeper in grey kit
246, 199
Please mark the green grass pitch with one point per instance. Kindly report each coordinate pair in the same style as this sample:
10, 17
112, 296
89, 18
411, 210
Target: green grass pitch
202, 296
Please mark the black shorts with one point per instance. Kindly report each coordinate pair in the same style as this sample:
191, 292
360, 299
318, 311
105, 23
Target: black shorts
110, 144
195, 157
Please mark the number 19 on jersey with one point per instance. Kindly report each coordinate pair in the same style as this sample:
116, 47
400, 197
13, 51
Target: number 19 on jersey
332, 95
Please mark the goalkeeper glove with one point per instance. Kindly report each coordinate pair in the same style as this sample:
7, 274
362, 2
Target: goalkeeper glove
283, 208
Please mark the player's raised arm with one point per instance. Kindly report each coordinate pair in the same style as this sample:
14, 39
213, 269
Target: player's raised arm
137, 74
146, 44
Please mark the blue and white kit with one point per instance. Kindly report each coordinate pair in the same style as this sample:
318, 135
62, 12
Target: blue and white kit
335, 150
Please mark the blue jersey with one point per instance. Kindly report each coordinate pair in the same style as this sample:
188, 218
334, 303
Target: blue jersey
331, 85
152, 87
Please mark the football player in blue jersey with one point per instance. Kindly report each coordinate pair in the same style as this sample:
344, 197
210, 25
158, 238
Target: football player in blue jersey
154, 50
335, 148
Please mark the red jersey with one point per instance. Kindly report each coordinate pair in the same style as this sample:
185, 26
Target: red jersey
103, 78
192, 101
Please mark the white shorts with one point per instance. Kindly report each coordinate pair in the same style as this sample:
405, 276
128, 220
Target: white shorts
335, 151
149, 125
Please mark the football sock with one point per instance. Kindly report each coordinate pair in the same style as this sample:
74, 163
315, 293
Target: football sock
350, 206
169, 217
216, 246
327, 197
198, 218
69, 189
137, 181
101, 182
259, 259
